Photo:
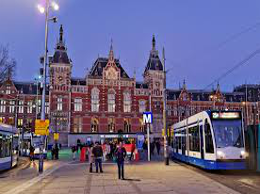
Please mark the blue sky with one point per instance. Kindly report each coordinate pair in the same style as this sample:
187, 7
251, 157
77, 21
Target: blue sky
190, 30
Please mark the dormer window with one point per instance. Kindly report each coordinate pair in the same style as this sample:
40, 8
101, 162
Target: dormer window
8, 90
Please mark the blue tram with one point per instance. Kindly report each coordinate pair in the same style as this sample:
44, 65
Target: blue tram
212, 140
9, 147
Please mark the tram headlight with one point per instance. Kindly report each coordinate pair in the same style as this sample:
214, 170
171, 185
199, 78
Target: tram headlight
220, 154
243, 153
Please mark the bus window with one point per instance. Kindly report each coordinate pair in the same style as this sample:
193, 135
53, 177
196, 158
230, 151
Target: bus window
208, 138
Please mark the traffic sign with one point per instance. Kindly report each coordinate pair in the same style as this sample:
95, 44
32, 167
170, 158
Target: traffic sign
56, 136
42, 127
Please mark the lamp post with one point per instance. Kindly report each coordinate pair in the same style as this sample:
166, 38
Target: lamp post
45, 10
166, 149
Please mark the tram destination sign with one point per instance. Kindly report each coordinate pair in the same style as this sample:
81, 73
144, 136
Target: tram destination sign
226, 115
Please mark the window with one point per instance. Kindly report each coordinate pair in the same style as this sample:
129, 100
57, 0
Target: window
1, 119
142, 106
194, 138
95, 100
8, 90
11, 121
111, 101
20, 106
78, 104
59, 104
208, 138
47, 107
5, 146
77, 124
127, 102
127, 125
142, 126
20, 122
111, 125
2, 106
30, 107
94, 125
12, 106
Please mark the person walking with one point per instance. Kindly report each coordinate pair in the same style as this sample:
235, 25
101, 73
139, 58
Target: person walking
158, 146
132, 150
90, 157
32, 153
98, 155
120, 154
145, 149
73, 149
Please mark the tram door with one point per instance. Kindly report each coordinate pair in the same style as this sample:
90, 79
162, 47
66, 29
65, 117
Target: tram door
201, 142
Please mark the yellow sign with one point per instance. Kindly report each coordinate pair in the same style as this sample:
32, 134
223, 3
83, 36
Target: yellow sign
168, 132
42, 127
56, 136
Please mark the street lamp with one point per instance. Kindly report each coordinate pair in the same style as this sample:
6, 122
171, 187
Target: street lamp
45, 10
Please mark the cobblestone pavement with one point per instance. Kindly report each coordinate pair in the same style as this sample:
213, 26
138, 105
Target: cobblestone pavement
153, 177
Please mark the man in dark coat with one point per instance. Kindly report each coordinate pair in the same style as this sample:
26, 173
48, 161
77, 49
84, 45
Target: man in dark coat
97, 152
120, 154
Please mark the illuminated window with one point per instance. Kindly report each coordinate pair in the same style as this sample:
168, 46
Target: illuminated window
20, 122
111, 125
12, 106
29, 107
78, 104
127, 125
2, 106
142, 106
8, 90
111, 101
11, 121
59, 104
20, 106
94, 125
95, 100
47, 107
1, 119
127, 102
77, 125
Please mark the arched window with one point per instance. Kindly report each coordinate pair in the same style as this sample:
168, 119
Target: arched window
95, 100
94, 125
142, 125
111, 125
127, 125
142, 106
127, 102
111, 101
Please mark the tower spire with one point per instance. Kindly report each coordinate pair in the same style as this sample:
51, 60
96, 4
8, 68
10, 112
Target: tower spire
111, 52
153, 43
61, 33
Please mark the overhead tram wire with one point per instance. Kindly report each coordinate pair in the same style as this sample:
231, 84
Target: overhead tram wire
234, 68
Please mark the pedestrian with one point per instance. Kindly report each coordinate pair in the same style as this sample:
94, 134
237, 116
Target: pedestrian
56, 151
78, 144
132, 150
120, 154
158, 146
90, 157
32, 153
98, 155
73, 149
145, 149
152, 146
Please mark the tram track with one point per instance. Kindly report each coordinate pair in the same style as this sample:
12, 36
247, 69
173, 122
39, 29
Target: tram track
243, 181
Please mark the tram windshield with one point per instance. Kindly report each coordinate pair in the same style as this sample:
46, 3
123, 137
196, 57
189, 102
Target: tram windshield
228, 133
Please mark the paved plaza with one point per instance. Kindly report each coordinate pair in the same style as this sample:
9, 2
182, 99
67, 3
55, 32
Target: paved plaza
154, 177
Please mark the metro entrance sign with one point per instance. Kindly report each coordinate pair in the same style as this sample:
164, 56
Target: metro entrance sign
148, 119
42, 127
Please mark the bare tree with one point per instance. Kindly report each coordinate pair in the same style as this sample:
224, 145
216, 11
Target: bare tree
7, 64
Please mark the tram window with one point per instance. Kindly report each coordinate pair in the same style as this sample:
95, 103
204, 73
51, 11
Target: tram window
208, 139
1, 147
194, 139
183, 137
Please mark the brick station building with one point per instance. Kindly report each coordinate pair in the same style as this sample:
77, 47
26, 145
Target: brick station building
107, 101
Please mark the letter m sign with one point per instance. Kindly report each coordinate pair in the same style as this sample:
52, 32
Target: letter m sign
147, 117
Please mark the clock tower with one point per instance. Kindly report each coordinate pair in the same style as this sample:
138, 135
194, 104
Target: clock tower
60, 90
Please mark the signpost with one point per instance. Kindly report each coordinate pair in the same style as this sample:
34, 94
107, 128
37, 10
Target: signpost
41, 128
148, 119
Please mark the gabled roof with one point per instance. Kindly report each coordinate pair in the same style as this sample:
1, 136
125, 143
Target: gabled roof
28, 88
100, 63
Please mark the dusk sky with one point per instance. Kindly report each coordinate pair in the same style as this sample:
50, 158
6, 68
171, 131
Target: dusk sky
192, 32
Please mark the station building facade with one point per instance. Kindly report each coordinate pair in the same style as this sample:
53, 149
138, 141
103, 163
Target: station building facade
107, 101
